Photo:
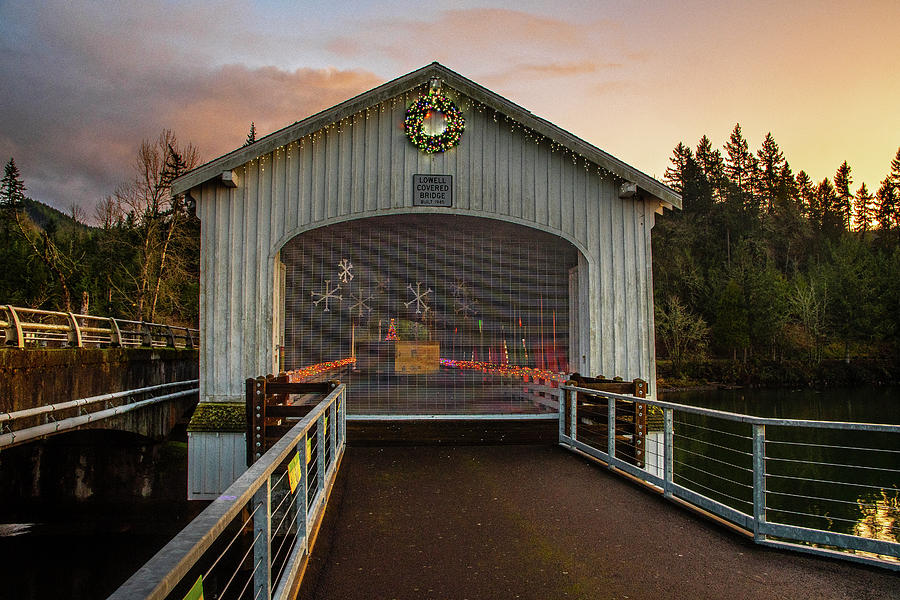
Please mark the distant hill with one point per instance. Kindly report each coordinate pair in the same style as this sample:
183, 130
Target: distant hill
42, 215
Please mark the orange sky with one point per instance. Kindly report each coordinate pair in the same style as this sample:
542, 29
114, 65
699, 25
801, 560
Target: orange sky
85, 82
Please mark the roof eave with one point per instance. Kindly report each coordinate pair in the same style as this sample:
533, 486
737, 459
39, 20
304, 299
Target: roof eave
386, 91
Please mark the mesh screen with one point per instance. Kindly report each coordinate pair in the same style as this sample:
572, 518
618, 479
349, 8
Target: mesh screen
430, 314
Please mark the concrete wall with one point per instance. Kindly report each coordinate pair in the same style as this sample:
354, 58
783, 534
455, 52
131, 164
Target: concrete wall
32, 377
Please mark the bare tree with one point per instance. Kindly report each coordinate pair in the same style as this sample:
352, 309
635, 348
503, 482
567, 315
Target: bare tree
108, 212
157, 216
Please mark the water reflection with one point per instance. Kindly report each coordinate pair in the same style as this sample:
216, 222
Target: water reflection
841, 481
880, 518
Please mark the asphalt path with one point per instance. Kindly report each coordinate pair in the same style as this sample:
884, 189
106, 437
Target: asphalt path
538, 522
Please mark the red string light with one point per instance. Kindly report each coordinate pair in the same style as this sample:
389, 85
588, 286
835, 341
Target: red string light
503, 370
304, 373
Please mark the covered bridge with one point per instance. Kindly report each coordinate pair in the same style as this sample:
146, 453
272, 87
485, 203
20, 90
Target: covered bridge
437, 242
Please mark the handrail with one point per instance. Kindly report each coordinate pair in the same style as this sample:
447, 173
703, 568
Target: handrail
10, 436
31, 327
254, 489
725, 464
48, 408
742, 418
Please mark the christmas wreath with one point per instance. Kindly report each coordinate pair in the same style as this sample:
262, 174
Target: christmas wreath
422, 108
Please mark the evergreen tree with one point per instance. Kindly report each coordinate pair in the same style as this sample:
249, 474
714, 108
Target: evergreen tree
887, 202
771, 172
675, 174
712, 165
741, 167
251, 136
863, 209
844, 198
686, 178
12, 188
895, 169
832, 222
851, 278
887, 199
806, 193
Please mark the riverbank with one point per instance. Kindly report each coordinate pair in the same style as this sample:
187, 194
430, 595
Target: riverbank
723, 373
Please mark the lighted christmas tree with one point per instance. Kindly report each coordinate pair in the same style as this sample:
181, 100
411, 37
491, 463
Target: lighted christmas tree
392, 332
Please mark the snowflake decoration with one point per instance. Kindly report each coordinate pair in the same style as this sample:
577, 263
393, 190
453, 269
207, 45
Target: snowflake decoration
360, 304
327, 294
418, 297
466, 306
346, 272
459, 288
381, 284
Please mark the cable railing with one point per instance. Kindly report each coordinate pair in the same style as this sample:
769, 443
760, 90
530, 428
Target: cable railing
254, 540
21, 426
33, 328
821, 487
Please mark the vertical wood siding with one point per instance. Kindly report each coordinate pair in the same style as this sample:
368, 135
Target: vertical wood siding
363, 167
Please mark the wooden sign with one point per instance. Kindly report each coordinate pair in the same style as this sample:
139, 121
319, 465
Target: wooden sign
433, 190
417, 358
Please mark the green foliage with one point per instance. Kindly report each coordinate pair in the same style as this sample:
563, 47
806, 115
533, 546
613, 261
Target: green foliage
251, 135
769, 261
682, 332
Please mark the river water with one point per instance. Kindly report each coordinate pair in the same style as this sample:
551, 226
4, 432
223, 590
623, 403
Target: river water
864, 405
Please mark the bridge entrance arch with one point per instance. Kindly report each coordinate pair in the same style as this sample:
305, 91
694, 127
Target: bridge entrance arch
436, 183
432, 314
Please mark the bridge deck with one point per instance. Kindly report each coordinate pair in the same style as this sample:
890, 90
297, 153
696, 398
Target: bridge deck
539, 522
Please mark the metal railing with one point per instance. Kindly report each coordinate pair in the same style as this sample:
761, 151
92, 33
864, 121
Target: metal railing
24, 425
29, 327
253, 541
822, 487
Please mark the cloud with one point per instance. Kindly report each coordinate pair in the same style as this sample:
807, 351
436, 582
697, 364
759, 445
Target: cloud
500, 45
80, 104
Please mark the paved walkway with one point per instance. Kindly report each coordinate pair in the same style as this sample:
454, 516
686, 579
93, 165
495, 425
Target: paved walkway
539, 522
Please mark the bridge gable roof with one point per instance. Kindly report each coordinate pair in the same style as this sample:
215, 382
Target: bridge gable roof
406, 83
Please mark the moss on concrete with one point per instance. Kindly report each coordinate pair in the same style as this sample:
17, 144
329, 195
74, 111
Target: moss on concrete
219, 416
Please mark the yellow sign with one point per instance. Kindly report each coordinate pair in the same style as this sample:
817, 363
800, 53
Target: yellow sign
294, 472
417, 358
308, 449
196, 592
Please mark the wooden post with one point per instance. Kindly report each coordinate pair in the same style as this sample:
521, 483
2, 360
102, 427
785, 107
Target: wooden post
256, 418
640, 423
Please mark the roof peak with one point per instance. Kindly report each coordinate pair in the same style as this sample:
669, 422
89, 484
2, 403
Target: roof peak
402, 85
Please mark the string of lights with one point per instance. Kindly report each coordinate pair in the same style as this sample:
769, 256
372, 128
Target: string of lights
421, 109
304, 373
465, 105
525, 373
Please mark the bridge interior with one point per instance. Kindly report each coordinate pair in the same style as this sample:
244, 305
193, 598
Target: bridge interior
437, 314
534, 521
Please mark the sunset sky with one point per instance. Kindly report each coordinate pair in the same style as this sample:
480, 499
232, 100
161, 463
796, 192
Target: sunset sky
82, 83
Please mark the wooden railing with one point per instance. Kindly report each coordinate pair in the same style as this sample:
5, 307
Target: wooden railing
592, 414
274, 405
32, 328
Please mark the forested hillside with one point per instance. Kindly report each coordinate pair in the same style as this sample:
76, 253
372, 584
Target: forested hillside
766, 264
